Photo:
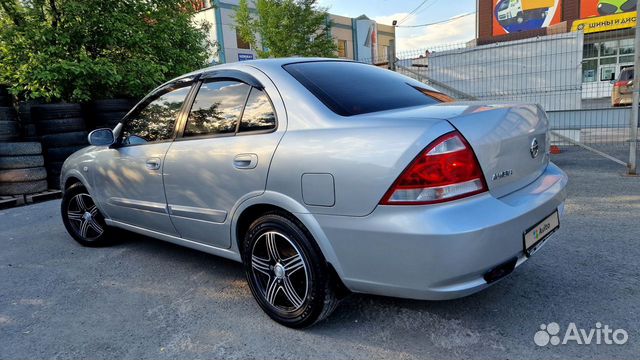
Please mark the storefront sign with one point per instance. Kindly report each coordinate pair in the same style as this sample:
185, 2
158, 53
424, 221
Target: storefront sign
605, 23
245, 57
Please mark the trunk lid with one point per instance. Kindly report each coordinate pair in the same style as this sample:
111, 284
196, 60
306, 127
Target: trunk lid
510, 142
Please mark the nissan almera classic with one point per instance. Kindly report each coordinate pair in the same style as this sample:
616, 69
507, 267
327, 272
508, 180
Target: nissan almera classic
323, 177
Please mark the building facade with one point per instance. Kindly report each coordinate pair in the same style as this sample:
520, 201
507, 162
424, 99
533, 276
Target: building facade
608, 27
359, 38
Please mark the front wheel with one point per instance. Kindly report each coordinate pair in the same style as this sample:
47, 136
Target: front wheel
82, 219
286, 271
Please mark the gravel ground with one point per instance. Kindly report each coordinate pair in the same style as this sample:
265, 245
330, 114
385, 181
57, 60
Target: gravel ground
149, 299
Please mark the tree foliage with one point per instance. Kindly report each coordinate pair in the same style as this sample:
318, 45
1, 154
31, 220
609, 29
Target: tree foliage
79, 50
286, 28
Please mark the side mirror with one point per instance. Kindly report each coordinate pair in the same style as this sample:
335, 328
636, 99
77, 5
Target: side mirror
101, 137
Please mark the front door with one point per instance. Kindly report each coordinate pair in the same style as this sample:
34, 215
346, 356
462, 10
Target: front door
128, 177
222, 158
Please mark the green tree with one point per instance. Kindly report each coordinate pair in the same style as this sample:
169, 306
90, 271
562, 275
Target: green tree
79, 50
286, 28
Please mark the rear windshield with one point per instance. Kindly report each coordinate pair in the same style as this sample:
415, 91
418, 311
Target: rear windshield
352, 88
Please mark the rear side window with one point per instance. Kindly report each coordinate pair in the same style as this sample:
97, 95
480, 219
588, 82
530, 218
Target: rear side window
352, 88
217, 108
258, 114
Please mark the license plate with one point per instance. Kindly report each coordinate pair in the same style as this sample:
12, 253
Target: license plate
537, 234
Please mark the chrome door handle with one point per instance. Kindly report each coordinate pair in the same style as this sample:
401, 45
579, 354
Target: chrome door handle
153, 164
245, 161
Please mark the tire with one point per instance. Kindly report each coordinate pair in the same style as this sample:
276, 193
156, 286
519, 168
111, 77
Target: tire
24, 110
5, 100
20, 148
72, 212
58, 126
108, 120
20, 162
60, 154
9, 130
22, 188
29, 132
112, 105
8, 113
22, 175
298, 291
64, 139
55, 111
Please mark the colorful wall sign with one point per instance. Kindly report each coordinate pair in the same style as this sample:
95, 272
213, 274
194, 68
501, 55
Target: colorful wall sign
523, 15
605, 23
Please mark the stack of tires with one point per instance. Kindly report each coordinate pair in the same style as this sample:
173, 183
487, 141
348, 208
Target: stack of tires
5, 97
62, 131
21, 168
9, 129
108, 113
27, 126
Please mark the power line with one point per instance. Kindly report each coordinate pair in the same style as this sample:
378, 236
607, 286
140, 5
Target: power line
438, 22
412, 11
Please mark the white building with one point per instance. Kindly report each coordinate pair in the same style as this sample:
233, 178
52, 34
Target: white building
360, 38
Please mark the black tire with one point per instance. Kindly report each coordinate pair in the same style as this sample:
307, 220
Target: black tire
65, 139
20, 148
53, 179
5, 100
108, 120
8, 113
112, 105
55, 111
70, 208
278, 290
60, 154
29, 132
23, 188
9, 130
22, 175
24, 110
20, 162
58, 126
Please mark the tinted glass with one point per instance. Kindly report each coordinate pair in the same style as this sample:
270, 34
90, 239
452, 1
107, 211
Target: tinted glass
351, 88
258, 114
217, 108
156, 121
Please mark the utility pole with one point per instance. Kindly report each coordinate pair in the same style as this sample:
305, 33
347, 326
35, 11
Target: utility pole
633, 123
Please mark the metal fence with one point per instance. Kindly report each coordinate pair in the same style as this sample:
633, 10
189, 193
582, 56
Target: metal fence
581, 80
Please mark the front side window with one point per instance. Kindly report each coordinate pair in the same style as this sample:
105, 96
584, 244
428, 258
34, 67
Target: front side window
217, 108
156, 120
258, 114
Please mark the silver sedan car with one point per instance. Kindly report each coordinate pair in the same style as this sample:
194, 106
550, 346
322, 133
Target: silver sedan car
323, 177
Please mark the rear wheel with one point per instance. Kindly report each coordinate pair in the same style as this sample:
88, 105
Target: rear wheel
82, 218
286, 271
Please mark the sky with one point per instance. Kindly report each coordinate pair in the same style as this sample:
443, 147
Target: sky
459, 30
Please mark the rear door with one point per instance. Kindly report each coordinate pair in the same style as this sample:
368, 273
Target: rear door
222, 156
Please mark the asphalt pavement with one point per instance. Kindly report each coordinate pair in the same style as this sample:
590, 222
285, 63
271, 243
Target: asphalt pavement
148, 299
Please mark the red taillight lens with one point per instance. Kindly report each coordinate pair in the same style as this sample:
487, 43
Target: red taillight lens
620, 83
446, 170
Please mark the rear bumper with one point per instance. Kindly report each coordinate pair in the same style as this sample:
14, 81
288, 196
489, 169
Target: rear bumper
440, 251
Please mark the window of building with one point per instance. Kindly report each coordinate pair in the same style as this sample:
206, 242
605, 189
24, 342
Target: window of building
241, 43
342, 48
600, 59
217, 108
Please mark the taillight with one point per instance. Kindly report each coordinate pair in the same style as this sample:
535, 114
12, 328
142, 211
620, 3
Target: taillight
446, 170
620, 83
